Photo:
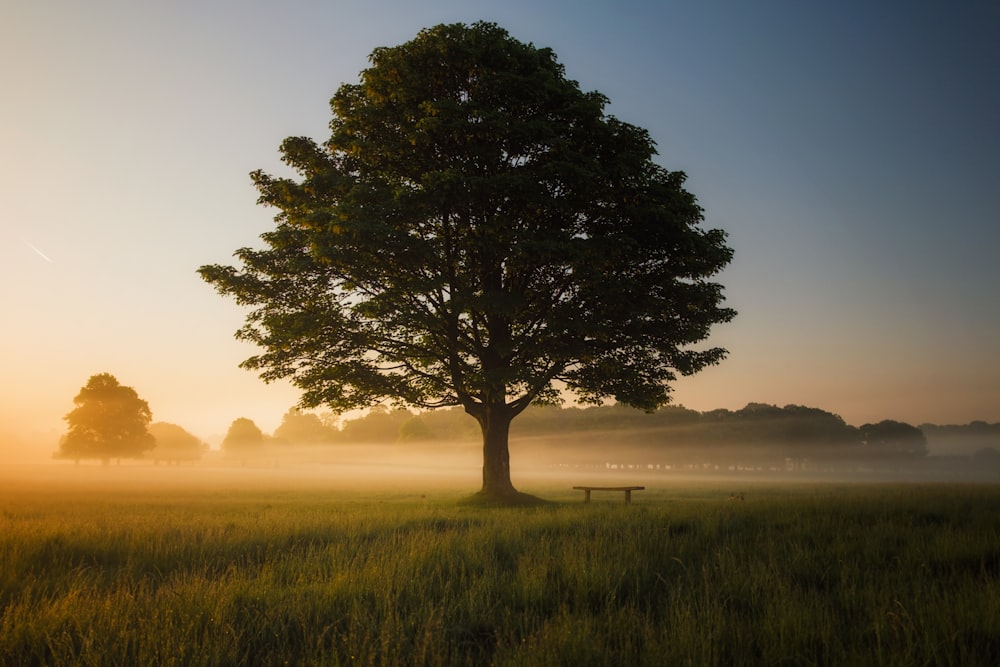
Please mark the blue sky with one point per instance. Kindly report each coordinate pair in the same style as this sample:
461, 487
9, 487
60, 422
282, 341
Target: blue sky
850, 150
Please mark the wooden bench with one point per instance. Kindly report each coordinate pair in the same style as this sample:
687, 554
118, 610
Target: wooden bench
627, 489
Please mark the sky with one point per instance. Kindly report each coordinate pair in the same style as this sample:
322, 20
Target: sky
849, 150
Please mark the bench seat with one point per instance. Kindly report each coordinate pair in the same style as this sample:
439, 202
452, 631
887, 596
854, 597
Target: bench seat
627, 489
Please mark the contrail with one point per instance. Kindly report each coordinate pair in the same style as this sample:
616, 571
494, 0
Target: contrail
40, 253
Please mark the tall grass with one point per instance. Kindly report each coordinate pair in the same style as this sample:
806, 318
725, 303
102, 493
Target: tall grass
794, 575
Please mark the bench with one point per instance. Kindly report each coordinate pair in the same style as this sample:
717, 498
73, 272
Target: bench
627, 489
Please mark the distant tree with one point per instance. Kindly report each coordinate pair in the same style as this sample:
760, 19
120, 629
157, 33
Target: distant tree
477, 231
450, 424
804, 426
379, 425
243, 439
110, 421
717, 415
677, 415
298, 427
545, 419
761, 411
415, 429
174, 444
893, 438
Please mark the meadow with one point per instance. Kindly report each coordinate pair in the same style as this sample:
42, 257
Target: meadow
138, 566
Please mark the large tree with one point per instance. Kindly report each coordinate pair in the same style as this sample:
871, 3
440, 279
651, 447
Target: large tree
477, 231
110, 421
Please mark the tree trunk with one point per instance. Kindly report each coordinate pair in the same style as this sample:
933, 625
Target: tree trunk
495, 423
494, 419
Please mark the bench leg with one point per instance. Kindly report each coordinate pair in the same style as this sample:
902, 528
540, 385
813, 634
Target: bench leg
586, 495
628, 496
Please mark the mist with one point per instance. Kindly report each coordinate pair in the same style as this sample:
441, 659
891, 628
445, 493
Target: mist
538, 465
26, 446
388, 451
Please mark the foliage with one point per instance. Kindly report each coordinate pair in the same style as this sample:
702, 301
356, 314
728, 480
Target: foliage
415, 429
757, 433
892, 437
477, 232
379, 425
109, 421
243, 437
173, 443
450, 424
858, 575
298, 427
791, 425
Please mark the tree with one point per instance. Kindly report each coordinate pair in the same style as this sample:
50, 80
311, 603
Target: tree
299, 427
415, 429
477, 232
174, 444
243, 439
109, 421
892, 438
379, 425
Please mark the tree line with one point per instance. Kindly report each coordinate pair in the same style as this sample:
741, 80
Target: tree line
110, 421
793, 428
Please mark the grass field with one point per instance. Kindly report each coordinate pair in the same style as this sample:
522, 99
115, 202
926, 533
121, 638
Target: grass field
141, 566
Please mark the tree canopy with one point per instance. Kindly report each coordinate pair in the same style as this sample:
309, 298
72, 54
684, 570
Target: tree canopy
893, 437
110, 421
243, 438
477, 232
299, 427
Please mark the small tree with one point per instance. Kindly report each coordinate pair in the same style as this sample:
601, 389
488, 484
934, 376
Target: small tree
110, 421
477, 232
174, 444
